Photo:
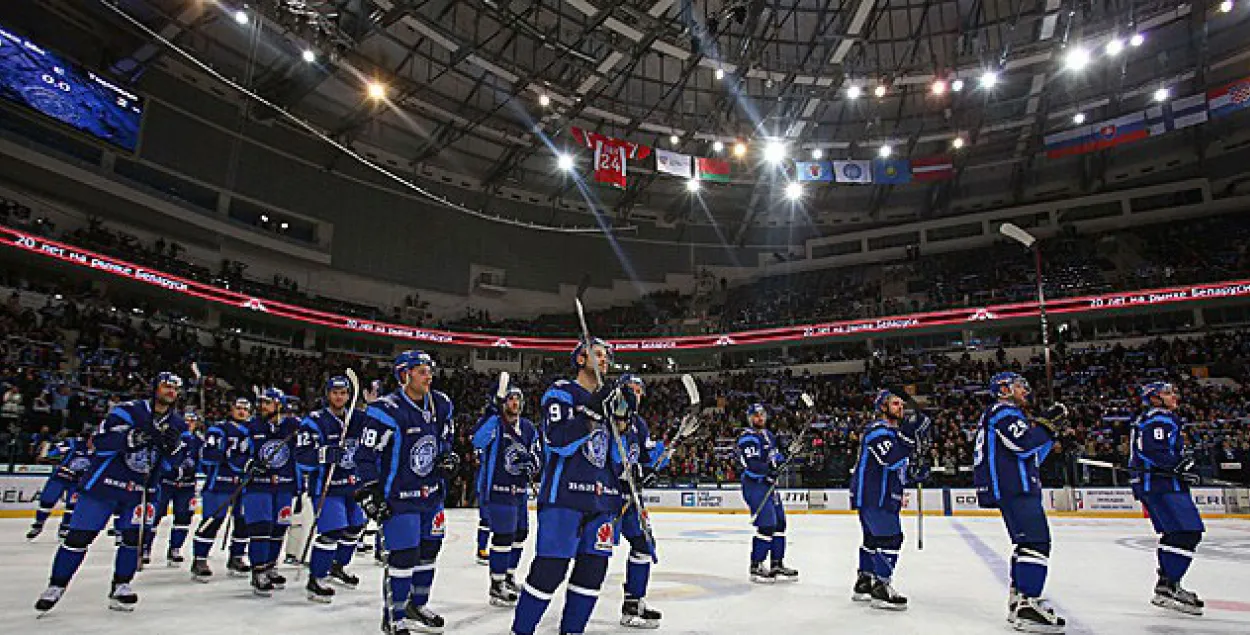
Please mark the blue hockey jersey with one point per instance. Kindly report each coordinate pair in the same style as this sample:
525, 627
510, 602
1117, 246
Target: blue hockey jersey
223, 455
879, 472
118, 471
274, 443
758, 456
75, 458
1009, 450
576, 470
321, 428
501, 479
401, 444
1155, 443
183, 473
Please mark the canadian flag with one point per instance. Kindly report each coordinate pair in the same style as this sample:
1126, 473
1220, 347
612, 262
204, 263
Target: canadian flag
610, 155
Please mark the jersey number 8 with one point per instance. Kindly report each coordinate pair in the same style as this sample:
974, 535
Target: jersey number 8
369, 437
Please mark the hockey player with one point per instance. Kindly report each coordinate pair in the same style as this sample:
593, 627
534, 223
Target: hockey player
877, 494
636, 437
223, 460
760, 459
271, 488
405, 459
580, 493
327, 438
178, 488
1165, 472
1009, 449
74, 452
507, 442
131, 447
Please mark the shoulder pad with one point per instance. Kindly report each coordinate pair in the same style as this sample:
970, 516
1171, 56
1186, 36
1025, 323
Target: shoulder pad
557, 392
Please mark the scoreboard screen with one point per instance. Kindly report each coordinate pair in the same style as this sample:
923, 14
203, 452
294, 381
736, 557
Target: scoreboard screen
36, 78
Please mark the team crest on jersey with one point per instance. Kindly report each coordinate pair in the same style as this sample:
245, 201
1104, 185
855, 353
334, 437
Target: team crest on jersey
596, 448
276, 453
423, 452
141, 461
438, 526
284, 515
603, 537
634, 452
348, 462
138, 514
79, 464
511, 456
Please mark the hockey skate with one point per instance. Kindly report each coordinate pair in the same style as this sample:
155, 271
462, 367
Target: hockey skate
260, 583
1032, 615
62, 532
636, 614
34, 532
885, 597
863, 588
276, 579
510, 582
237, 567
49, 598
340, 576
318, 591
762, 574
173, 557
1170, 595
420, 619
122, 597
501, 595
1013, 598
782, 573
200, 571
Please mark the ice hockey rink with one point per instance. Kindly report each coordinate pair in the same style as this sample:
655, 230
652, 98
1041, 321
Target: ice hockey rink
1102, 572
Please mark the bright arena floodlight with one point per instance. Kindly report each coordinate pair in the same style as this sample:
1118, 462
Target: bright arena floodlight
1114, 47
957, 85
740, 149
989, 79
1078, 118
564, 162
1162, 94
674, 139
692, 185
774, 152
885, 151
794, 191
1137, 40
817, 153
879, 91
853, 92
717, 146
957, 143
544, 100
309, 55
1076, 59
376, 90
241, 17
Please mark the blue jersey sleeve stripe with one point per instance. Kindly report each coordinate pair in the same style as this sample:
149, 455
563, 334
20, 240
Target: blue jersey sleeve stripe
559, 395
121, 413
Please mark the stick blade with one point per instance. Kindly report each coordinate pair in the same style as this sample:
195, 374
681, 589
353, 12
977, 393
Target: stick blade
808, 401
195, 370
692, 389
501, 390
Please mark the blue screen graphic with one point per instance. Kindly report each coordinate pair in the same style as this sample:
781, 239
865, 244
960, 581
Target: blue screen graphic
36, 78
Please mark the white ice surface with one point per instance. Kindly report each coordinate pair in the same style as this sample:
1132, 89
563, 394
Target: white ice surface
1102, 572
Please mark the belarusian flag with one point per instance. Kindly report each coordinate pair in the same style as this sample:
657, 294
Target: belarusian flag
712, 169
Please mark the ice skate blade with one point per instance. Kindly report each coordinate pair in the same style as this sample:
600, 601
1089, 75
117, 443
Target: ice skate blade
634, 621
502, 602
1031, 627
320, 599
861, 597
888, 606
118, 606
1179, 607
759, 579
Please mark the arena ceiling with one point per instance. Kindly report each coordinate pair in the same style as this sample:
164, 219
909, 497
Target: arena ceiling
491, 88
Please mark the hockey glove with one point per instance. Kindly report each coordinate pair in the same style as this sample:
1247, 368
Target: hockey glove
914, 426
372, 501
917, 472
331, 454
168, 441
256, 467
138, 439
525, 461
1185, 471
449, 462
1052, 417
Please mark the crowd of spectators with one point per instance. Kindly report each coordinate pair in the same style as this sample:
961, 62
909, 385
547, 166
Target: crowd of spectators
70, 356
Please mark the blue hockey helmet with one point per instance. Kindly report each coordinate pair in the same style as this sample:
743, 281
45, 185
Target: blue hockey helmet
581, 348
1005, 380
408, 360
883, 397
273, 394
1154, 389
338, 382
166, 378
756, 408
632, 379
513, 390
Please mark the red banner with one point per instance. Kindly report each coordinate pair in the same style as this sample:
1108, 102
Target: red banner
1124, 300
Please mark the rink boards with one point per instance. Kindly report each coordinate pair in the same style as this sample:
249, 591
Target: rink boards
19, 496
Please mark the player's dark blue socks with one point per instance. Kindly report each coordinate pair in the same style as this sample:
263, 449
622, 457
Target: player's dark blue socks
500, 555
545, 575
483, 534
401, 564
276, 533
347, 545
1029, 565
423, 574
41, 514
324, 549
583, 592
70, 554
867, 556
258, 545
239, 541
761, 544
127, 561
885, 558
518, 546
1176, 552
778, 549
178, 536
637, 574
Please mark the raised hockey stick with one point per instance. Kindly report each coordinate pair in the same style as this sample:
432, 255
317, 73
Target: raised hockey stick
325, 487
1197, 479
689, 423
644, 523
792, 452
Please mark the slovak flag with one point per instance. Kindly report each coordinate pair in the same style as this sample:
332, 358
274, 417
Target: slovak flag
1097, 136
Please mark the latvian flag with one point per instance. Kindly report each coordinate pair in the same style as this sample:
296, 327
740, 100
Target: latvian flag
1229, 99
1097, 136
935, 168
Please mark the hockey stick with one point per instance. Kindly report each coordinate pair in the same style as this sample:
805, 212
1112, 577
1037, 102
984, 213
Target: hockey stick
199, 379
644, 523
922, 451
325, 487
690, 422
1123, 469
792, 453
147, 484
